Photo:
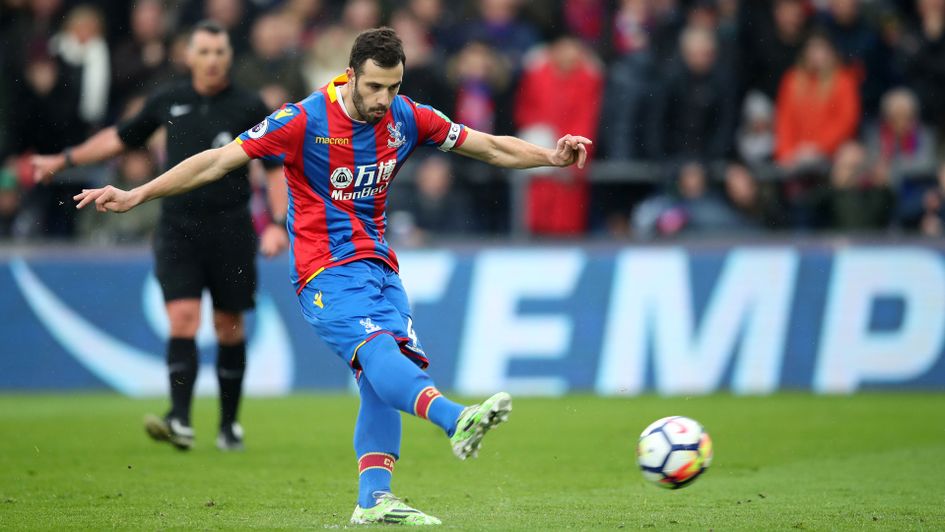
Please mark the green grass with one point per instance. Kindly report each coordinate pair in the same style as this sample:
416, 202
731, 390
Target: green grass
866, 462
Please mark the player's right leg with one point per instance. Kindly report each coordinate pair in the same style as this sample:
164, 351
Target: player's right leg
377, 445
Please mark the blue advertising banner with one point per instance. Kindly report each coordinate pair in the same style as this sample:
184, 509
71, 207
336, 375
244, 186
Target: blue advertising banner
544, 321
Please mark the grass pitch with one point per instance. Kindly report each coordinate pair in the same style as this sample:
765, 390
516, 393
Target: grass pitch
866, 462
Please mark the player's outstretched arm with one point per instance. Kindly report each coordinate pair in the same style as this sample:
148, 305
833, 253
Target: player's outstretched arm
191, 173
103, 145
513, 152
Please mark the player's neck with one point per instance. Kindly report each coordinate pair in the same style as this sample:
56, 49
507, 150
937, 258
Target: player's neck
204, 88
347, 101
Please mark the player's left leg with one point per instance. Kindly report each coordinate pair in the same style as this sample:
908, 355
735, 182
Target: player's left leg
377, 445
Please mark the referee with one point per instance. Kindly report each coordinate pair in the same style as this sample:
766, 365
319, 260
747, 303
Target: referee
205, 238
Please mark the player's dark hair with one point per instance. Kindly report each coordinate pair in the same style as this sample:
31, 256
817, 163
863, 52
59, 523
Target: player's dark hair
382, 45
208, 26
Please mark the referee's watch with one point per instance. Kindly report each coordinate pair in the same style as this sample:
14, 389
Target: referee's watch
280, 221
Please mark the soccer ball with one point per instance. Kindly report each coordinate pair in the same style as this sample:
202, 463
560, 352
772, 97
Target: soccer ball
674, 451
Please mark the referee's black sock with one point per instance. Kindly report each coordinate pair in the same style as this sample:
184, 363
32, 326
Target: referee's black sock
182, 370
231, 364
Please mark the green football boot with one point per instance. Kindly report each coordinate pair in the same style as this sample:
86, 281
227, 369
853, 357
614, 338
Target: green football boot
476, 420
391, 510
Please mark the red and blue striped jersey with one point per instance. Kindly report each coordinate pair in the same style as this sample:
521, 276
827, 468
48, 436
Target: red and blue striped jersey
339, 170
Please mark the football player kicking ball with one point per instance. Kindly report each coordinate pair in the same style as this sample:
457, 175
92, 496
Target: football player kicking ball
341, 148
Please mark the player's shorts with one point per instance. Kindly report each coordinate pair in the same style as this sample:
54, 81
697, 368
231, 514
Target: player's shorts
217, 253
352, 303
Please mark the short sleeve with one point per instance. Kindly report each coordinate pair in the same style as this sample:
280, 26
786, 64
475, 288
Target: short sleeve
275, 138
436, 129
258, 108
135, 131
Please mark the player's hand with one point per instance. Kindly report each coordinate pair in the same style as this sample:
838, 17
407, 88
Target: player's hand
46, 166
273, 241
107, 199
571, 149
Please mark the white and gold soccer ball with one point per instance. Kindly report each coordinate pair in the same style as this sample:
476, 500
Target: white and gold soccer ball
674, 451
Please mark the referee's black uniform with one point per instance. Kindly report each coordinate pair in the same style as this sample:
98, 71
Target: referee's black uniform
205, 237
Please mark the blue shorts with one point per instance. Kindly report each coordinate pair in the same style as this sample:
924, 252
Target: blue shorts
352, 303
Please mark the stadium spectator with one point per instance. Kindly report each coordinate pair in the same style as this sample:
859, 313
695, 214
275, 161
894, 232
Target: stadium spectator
433, 204
481, 97
424, 79
755, 136
772, 45
818, 106
693, 111
323, 62
354, 297
860, 47
205, 239
859, 197
81, 47
560, 91
311, 15
924, 55
26, 31
45, 119
273, 67
755, 207
629, 84
689, 208
498, 23
932, 217
586, 20
234, 16
141, 60
480, 81
436, 20
900, 141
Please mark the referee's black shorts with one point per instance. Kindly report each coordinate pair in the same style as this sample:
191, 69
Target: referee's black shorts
214, 252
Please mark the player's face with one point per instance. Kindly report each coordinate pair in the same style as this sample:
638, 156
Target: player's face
375, 89
209, 57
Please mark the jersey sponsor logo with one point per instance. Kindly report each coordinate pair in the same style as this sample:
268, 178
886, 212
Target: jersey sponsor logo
369, 174
339, 195
332, 140
259, 129
371, 179
397, 138
341, 178
283, 113
180, 109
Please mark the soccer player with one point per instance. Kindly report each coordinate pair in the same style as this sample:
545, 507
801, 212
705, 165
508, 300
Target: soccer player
205, 238
342, 147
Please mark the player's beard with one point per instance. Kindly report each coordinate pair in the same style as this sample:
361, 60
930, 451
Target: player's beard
366, 114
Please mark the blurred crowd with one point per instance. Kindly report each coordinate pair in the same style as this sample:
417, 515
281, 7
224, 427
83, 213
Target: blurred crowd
711, 116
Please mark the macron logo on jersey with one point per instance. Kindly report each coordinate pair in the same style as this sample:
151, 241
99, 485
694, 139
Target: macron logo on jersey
332, 140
